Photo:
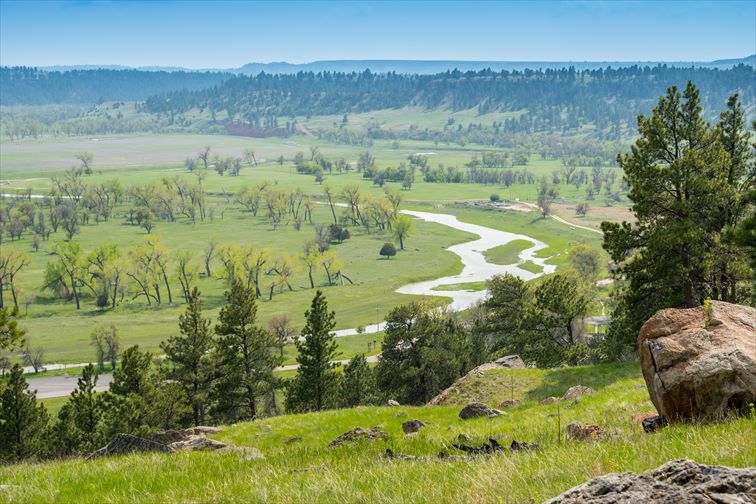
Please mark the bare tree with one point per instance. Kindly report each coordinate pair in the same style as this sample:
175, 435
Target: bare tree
204, 155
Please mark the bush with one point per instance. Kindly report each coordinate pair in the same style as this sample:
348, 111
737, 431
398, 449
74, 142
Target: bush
495, 198
388, 250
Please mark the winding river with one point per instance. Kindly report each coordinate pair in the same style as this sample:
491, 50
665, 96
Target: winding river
475, 267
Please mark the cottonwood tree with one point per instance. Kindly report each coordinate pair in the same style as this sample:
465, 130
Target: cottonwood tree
106, 342
85, 158
249, 156
187, 273
11, 263
204, 155
22, 419
547, 193
402, 229
246, 356
280, 326
315, 385
188, 360
68, 271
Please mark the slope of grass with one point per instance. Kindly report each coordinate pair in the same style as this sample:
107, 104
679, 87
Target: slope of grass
309, 471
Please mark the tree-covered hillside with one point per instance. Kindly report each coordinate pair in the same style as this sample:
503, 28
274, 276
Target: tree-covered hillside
555, 100
31, 86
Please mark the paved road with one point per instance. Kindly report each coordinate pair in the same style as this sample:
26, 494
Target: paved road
60, 386
57, 386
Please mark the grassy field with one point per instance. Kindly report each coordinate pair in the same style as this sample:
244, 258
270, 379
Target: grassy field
309, 471
507, 254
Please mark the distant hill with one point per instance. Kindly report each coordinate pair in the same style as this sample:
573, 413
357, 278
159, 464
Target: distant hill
424, 67
412, 66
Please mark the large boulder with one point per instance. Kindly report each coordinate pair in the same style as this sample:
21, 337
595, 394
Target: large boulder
699, 362
674, 482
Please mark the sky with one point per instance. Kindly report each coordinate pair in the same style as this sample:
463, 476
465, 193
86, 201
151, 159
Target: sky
198, 34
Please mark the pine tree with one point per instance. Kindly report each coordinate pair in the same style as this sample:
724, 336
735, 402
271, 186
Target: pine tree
685, 179
358, 384
11, 336
87, 409
188, 356
22, 420
133, 375
247, 356
314, 386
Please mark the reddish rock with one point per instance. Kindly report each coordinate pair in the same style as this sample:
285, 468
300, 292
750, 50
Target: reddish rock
698, 364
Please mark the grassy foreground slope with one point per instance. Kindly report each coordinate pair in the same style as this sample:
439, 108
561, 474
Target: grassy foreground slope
310, 472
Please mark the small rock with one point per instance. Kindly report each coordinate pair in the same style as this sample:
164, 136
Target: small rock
582, 432
509, 403
549, 400
495, 412
413, 426
295, 439
576, 392
515, 446
401, 414
358, 434
477, 409
393, 403
464, 438
639, 417
197, 443
654, 423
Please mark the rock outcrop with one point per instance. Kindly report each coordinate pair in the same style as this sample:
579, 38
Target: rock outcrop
358, 434
124, 444
672, 483
699, 362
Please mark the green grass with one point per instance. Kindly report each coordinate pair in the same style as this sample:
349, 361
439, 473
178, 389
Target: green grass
469, 286
531, 266
311, 472
508, 253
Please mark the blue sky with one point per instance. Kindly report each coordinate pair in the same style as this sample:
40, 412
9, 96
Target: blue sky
228, 34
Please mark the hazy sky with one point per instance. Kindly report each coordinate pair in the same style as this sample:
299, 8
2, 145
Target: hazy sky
228, 34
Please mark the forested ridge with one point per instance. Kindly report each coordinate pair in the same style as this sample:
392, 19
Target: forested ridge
554, 99
31, 86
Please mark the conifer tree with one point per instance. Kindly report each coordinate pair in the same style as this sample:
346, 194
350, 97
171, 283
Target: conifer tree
22, 420
358, 384
315, 385
87, 409
188, 356
247, 356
